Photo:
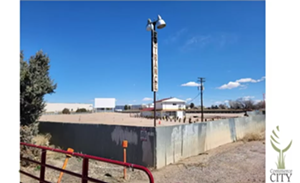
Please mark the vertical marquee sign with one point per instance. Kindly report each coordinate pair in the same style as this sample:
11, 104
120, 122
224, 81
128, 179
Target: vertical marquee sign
154, 62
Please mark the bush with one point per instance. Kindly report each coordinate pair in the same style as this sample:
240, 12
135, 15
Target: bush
66, 111
81, 110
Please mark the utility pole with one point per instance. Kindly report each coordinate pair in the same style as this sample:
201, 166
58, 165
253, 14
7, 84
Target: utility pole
201, 80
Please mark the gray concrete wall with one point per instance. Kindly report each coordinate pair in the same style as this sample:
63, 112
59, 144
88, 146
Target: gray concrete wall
181, 141
178, 142
173, 143
255, 112
104, 140
249, 125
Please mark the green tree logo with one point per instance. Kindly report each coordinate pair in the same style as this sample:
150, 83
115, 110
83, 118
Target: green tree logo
280, 162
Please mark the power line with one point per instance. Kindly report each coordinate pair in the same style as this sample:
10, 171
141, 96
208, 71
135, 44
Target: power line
193, 98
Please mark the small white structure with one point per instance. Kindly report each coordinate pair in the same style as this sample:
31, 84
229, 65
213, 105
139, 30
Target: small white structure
149, 105
58, 107
166, 107
104, 104
170, 104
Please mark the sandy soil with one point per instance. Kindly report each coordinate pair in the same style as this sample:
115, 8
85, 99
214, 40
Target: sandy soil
125, 119
232, 163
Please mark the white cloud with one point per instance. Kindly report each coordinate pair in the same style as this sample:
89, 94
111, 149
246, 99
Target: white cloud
257, 101
243, 87
147, 99
191, 83
218, 102
246, 80
247, 97
196, 41
174, 37
249, 80
218, 40
261, 79
188, 99
237, 83
230, 85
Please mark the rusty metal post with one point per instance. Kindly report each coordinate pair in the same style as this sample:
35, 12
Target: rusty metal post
43, 168
85, 170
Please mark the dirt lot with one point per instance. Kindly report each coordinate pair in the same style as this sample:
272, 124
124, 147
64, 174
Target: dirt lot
240, 162
123, 119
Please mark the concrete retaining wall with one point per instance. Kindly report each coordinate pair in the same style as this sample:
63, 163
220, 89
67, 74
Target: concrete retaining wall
249, 125
173, 143
104, 140
255, 112
181, 141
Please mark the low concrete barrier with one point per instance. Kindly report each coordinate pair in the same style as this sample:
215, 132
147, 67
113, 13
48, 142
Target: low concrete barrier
104, 140
250, 124
149, 146
174, 143
217, 133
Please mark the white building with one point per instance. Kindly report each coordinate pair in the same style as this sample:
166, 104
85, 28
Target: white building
149, 105
166, 107
58, 107
104, 104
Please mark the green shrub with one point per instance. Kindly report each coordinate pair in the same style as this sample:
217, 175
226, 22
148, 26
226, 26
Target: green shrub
80, 110
66, 111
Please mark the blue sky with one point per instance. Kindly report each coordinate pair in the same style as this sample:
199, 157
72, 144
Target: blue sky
102, 49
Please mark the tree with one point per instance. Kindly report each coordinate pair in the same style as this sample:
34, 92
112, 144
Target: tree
214, 107
35, 83
235, 104
259, 105
81, 110
129, 107
248, 104
125, 107
66, 111
192, 105
222, 106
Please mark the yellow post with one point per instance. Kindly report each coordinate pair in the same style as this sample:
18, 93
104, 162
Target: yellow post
65, 164
125, 144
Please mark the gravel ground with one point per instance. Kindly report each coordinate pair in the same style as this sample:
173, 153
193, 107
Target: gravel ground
232, 163
125, 119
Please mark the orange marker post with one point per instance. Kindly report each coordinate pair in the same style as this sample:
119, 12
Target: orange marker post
65, 163
125, 145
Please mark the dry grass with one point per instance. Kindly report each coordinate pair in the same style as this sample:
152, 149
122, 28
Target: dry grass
44, 140
254, 137
41, 140
256, 134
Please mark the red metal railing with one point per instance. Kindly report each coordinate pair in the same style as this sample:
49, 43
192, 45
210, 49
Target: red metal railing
85, 165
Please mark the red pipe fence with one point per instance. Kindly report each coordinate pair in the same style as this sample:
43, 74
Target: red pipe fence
85, 165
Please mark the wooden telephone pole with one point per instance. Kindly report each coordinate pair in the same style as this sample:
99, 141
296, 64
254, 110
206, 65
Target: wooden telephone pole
201, 80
